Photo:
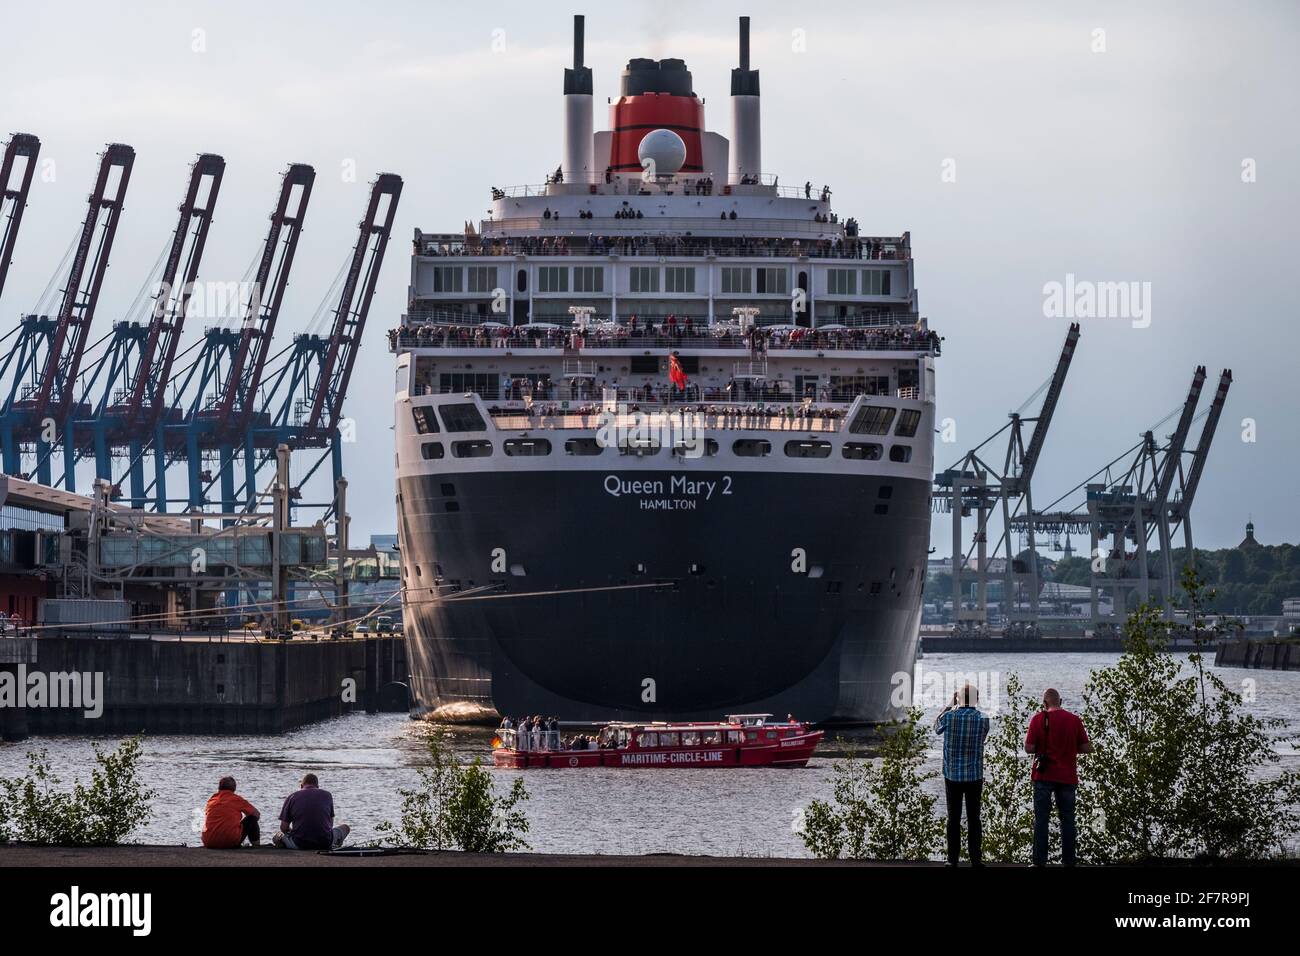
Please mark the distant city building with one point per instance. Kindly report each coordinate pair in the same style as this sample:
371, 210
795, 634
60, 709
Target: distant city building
1248, 543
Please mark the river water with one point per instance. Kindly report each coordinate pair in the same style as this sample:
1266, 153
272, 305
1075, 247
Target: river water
363, 760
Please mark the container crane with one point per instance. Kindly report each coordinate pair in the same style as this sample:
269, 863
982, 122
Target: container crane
968, 488
225, 378
42, 366
16, 169
305, 396
131, 378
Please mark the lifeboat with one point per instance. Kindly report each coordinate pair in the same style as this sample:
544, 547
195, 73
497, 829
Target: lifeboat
739, 740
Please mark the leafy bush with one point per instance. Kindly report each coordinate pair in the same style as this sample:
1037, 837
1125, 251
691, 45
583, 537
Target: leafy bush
1179, 769
878, 811
35, 808
455, 807
1007, 811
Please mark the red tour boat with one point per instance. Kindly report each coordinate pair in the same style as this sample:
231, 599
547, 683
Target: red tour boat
741, 740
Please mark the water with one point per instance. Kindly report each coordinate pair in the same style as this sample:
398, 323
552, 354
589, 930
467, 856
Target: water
363, 760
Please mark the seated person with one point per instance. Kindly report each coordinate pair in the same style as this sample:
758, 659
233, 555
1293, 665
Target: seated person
229, 819
307, 819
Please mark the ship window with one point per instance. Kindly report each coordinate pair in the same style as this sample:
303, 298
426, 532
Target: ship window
669, 740
886, 491
679, 279
752, 447
900, 453
733, 736
448, 279
431, 450
453, 506
737, 280
521, 281
882, 509
448, 490
640, 447
841, 282
643, 279
771, 735
471, 449
908, 419
553, 279
463, 417
582, 446
482, 279
523, 447
875, 282
588, 279
690, 738
484, 384
751, 735
685, 449
772, 281
425, 421
808, 449
875, 587
647, 740
712, 737
862, 451
872, 420
644, 365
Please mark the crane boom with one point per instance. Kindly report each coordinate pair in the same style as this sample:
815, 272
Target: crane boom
57, 382
1177, 441
1203, 446
13, 196
238, 395
158, 351
350, 318
1044, 419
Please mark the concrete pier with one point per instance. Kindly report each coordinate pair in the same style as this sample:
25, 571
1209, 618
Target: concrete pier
1273, 655
196, 686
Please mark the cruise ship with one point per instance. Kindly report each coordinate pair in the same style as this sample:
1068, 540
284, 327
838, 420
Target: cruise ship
664, 432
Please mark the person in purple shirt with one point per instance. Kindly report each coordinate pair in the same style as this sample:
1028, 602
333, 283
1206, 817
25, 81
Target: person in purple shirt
307, 819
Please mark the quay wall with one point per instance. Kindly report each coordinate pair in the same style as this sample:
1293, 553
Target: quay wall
217, 687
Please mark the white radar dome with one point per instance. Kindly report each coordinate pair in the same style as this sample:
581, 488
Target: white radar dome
662, 152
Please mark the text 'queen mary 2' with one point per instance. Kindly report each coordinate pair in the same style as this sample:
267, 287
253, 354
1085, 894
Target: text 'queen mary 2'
664, 433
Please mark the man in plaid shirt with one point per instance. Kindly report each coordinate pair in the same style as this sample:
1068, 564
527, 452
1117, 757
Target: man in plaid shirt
964, 731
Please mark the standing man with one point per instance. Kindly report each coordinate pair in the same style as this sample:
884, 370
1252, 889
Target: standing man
964, 731
1056, 738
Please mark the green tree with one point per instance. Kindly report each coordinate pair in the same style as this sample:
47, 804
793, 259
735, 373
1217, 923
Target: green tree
1008, 813
878, 811
1176, 769
36, 809
456, 807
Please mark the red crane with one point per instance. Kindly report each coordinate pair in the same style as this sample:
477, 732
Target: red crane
13, 197
238, 397
350, 318
56, 384
158, 352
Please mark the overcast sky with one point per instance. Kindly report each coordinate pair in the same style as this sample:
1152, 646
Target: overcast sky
1113, 156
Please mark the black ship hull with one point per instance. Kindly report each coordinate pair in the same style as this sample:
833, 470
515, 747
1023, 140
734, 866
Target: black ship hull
564, 592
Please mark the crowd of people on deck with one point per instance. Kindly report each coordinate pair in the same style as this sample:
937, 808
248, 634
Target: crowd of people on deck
850, 246
669, 330
542, 733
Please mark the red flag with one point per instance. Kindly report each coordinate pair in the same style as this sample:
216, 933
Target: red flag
675, 373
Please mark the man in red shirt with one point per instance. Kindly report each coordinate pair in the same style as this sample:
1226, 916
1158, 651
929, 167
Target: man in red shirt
1056, 738
229, 819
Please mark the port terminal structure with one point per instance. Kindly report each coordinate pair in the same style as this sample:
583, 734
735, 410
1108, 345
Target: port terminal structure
225, 414
1133, 509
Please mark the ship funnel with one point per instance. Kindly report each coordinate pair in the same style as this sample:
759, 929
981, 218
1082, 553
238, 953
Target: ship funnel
746, 140
579, 142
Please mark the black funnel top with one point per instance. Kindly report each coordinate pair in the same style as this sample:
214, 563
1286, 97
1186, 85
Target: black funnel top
657, 76
744, 81
578, 78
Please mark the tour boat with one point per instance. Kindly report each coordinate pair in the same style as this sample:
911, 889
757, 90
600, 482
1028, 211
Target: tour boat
740, 740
